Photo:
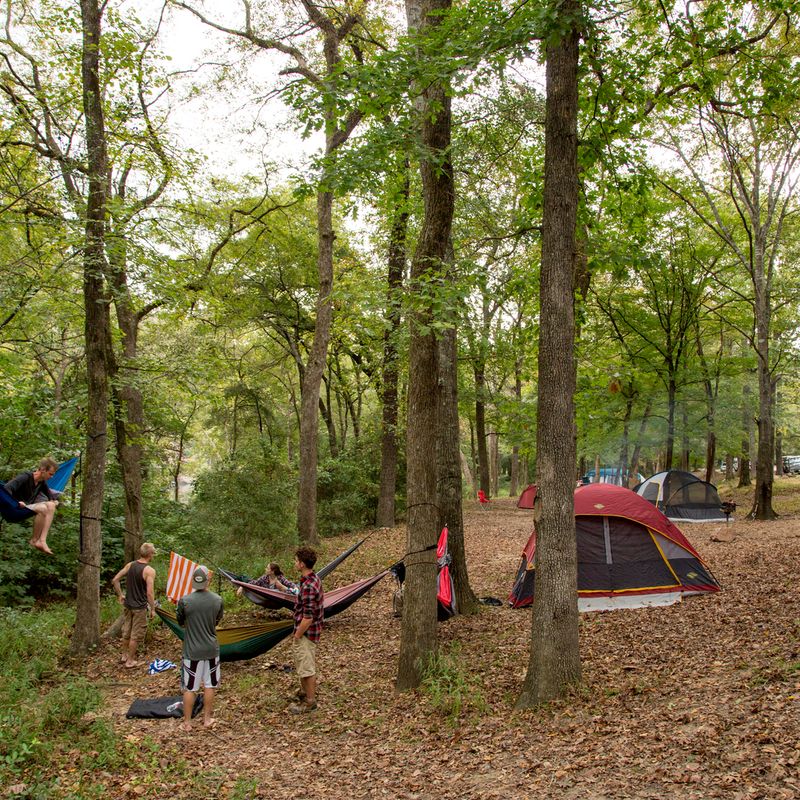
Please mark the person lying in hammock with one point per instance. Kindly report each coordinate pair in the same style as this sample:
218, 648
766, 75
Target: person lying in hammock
273, 578
31, 491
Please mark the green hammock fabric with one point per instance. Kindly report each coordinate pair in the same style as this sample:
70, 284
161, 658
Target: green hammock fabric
241, 643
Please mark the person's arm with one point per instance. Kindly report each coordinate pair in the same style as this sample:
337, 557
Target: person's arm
149, 579
221, 612
180, 612
117, 578
308, 613
304, 625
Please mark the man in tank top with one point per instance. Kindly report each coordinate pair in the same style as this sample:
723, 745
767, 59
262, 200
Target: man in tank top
138, 601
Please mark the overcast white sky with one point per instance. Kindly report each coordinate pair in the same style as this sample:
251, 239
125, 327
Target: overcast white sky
225, 124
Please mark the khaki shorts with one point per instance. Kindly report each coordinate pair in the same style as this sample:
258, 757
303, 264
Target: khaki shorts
135, 624
304, 657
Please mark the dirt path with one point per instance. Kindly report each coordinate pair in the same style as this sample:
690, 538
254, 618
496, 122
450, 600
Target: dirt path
698, 700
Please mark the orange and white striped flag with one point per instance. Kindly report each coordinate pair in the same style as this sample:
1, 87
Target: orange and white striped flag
179, 576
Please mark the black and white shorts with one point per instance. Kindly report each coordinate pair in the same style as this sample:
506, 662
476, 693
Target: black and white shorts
196, 672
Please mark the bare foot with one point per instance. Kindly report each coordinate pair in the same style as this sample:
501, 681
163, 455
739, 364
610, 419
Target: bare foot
186, 726
43, 547
209, 723
132, 664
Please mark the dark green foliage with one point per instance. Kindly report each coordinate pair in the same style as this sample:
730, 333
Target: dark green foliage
246, 505
347, 490
27, 574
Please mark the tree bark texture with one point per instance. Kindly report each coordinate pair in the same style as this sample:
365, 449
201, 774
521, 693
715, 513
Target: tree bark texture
747, 426
554, 663
418, 635
448, 458
127, 402
397, 266
762, 499
87, 622
480, 426
309, 399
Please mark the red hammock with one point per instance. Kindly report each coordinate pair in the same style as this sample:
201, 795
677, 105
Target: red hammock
334, 601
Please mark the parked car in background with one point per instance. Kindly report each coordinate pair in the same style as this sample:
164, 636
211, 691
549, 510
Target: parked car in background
791, 465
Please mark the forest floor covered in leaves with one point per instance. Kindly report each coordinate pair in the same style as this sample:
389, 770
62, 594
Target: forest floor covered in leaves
697, 700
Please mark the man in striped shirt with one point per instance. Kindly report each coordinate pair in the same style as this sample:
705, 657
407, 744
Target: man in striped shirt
308, 614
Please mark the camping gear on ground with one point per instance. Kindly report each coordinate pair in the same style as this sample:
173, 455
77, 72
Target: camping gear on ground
11, 510
683, 497
162, 708
445, 589
483, 500
160, 665
629, 554
241, 642
275, 598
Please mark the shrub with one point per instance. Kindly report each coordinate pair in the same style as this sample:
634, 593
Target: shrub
347, 490
245, 504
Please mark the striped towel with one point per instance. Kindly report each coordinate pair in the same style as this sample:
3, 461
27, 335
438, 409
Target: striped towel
160, 665
179, 576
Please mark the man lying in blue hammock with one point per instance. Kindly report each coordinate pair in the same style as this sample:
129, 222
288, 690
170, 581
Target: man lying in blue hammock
31, 492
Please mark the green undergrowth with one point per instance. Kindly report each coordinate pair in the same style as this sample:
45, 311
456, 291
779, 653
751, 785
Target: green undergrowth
54, 741
448, 685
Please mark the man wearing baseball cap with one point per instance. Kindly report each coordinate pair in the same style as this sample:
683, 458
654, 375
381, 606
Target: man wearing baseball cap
199, 612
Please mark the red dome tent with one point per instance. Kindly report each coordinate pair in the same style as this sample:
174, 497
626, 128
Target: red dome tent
629, 553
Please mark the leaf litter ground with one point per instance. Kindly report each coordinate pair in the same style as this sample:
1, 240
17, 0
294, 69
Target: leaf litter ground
697, 700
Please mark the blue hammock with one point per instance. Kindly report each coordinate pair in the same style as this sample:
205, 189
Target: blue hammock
12, 511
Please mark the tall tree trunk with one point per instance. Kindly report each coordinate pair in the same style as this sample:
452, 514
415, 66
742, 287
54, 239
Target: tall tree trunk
762, 500
747, 434
513, 488
309, 399
418, 636
554, 664
494, 463
685, 451
623, 450
336, 134
397, 266
637, 446
127, 402
711, 402
480, 427
672, 392
87, 621
448, 483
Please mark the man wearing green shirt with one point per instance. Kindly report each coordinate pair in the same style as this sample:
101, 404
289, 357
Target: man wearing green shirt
199, 612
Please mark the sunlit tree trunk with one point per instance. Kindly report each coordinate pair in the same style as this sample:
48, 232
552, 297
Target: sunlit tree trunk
418, 635
87, 621
554, 665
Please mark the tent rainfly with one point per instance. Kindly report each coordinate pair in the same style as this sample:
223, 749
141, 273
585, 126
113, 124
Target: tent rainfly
683, 497
629, 554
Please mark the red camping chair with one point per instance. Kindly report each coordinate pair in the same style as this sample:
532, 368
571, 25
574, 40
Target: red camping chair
483, 499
